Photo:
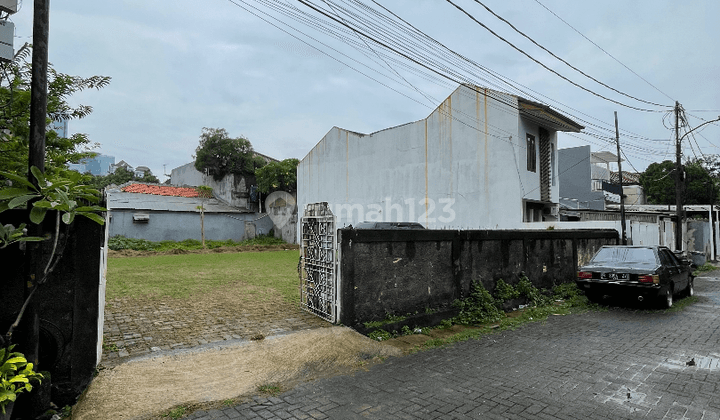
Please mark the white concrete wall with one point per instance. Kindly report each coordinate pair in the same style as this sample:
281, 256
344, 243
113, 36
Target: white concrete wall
463, 167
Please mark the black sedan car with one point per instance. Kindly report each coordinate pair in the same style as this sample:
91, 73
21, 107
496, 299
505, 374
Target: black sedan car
638, 272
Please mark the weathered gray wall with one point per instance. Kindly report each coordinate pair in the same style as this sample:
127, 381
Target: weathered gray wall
178, 226
698, 237
233, 190
404, 272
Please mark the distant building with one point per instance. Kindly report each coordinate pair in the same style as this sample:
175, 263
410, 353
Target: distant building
99, 165
140, 171
60, 127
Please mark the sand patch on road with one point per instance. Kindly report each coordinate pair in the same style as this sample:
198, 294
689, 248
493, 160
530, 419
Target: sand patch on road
148, 387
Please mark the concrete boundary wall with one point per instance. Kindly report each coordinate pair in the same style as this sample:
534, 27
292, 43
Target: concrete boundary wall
403, 272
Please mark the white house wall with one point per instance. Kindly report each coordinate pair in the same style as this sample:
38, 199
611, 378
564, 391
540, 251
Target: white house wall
463, 167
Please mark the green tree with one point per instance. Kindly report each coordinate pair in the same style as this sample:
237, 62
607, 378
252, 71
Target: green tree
658, 182
15, 116
278, 176
221, 155
699, 184
149, 177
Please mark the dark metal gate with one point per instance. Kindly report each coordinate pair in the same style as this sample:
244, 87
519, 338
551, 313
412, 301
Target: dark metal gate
318, 280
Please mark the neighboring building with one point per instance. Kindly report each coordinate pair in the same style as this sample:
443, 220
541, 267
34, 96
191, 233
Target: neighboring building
140, 171
586, 181
237, 191
99, 165
158, 212
121, 164
482, 160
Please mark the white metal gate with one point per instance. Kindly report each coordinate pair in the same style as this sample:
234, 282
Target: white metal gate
318, 280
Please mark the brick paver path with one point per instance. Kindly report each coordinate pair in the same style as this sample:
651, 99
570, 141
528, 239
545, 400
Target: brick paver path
157, 327
603, 365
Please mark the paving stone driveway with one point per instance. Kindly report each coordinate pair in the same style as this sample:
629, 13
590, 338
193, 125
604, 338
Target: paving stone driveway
157, 327
603, 365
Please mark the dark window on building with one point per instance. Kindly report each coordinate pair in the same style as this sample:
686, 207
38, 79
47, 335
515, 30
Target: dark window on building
531, 159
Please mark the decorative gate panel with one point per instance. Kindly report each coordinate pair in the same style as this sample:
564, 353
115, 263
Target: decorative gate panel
318, 286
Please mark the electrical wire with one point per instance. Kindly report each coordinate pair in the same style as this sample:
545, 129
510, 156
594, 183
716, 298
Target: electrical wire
434, 74
563, 61
603, 50
544, 65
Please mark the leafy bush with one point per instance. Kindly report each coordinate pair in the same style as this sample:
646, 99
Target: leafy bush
15, 376
534, 296
565, 291
504, 292
478, 308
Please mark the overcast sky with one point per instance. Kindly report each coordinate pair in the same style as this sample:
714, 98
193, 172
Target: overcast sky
178, 66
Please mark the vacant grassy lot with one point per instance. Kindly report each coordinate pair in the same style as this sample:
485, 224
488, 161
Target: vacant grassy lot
184, 275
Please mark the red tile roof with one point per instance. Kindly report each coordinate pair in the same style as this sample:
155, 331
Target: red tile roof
161, 190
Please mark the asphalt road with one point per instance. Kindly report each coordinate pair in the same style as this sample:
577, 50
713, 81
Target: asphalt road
622, 363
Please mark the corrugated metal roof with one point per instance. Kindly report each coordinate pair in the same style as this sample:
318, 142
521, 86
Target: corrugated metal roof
118, 200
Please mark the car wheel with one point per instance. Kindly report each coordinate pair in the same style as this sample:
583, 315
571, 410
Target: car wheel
667, 299
690, 289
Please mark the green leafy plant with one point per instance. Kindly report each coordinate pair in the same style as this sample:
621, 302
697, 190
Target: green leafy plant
534, 296
478, 308
380, 335
278, 176
504, 292
15, 376
60, 193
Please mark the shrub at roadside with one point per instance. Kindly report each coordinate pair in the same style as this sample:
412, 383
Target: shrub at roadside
481, 308
119, 243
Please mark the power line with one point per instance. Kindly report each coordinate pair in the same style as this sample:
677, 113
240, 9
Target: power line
562, 60
545, 66
601, 49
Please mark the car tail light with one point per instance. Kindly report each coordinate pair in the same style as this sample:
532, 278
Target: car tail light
584, 275
649, 278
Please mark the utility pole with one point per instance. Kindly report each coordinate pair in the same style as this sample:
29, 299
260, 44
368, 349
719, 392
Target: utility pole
30, 405
38, 114
679, 179
620, 175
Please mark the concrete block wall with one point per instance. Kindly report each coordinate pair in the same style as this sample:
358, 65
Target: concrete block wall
405, 272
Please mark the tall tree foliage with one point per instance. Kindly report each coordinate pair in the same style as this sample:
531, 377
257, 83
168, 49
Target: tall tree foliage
278, 176
658, 182
15, 78
221, 155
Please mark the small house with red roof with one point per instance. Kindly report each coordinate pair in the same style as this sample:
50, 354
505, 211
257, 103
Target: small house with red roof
161, 212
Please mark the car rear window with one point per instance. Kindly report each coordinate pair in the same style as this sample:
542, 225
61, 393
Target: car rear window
625, 255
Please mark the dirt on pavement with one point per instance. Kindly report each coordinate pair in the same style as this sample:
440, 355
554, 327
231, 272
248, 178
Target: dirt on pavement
148, 387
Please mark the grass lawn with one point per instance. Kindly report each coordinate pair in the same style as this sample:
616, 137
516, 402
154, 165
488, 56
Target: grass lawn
182, 275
